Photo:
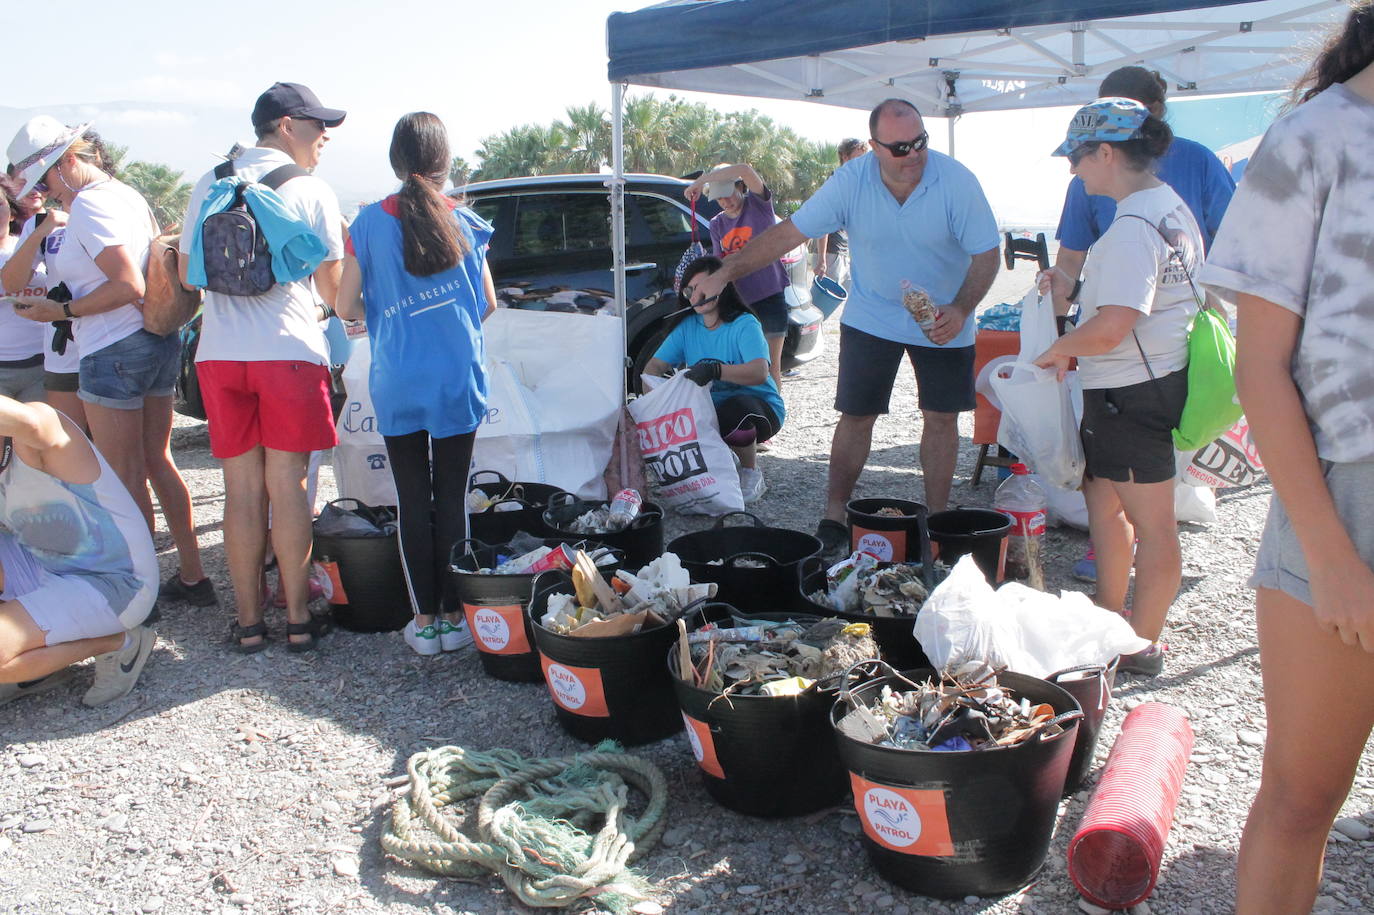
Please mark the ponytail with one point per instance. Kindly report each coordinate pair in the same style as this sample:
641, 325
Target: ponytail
430, 237
1347, 51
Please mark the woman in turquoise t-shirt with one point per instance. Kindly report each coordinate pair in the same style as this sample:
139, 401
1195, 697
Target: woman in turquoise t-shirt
721, 341
416, 269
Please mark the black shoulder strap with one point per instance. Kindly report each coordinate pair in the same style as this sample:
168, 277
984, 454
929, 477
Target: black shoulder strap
282, 174
224, 169
6, 453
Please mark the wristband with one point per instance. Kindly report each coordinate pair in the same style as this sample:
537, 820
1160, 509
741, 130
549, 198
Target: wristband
67, 310
328, 312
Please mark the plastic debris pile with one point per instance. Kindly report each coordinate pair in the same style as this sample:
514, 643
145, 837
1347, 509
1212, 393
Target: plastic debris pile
862, 584
661, 592
967, 711
771, 658
528, 555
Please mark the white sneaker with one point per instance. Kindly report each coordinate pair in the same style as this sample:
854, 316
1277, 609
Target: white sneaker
425, 641
751, 484
116, 672
11, 691
453, 636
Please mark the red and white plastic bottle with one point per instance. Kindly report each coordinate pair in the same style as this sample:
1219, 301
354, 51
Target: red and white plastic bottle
1022, 497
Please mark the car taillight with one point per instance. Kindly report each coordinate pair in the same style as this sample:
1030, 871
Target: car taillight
811, 328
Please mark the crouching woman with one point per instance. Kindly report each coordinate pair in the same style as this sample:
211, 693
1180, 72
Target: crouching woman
78, 575
722, 343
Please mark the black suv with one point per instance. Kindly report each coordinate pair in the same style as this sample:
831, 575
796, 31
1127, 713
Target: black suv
555, 231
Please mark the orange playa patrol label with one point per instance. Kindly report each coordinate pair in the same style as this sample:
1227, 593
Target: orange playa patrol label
497, 630
576, 689
913, 821
888, 546
703, 746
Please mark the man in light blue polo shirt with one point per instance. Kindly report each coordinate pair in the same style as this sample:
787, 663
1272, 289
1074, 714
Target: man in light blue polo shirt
911, 214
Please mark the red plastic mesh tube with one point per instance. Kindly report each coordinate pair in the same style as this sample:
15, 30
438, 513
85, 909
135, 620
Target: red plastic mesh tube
1114, 857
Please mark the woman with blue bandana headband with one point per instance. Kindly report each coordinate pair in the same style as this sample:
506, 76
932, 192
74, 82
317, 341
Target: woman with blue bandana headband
1131, 343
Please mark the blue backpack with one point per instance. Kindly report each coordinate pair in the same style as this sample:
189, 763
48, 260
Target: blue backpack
237, 259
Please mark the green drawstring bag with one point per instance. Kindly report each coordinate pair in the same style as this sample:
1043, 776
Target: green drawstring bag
1212, 406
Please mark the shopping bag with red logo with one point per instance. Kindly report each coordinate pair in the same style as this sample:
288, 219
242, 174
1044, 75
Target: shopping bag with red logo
687, 462
1232, 460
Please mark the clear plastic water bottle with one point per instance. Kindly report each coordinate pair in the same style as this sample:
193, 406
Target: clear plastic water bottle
624, 509
1022, 497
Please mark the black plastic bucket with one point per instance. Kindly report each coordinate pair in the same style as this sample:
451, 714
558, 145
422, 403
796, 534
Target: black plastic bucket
519, 507
980, 531
972, 823
614, 688
767, 756
896, 641
892, 538
734, 550
641, 542
1091, 685
367, 585
495, 607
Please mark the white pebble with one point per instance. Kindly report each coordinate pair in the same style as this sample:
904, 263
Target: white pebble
1251, 738
38, 825
241, 899
30, 760
647, 907
748, 889
151, 904
345, 865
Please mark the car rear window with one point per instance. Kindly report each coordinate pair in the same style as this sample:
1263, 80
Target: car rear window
548, 224
666, 221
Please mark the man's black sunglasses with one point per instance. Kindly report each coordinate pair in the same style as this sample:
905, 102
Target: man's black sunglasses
905, 147
319, 125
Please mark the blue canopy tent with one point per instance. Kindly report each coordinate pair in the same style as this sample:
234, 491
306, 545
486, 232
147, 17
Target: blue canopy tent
950, 57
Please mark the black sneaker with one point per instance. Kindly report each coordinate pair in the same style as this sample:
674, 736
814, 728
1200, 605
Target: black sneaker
833, 535
1148, 661
200, 594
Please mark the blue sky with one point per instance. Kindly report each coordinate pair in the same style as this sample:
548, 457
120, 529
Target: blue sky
193, 74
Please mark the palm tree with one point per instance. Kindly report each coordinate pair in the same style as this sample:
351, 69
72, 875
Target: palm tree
162, 187
587, 133
526, 150
459, 172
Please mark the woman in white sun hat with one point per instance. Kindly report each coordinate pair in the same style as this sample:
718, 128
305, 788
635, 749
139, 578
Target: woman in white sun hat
127, 374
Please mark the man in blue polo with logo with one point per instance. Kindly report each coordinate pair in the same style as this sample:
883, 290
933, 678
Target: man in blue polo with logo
916, 219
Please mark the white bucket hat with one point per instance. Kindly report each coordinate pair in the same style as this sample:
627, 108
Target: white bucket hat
37, 147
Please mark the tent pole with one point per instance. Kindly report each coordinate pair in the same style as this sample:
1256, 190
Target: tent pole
617, 185
951, 119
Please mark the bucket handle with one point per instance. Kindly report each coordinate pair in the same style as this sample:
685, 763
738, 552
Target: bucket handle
755, 519
454, 554
760, 557
544, 584
1061, 720
880, 668
809, 566
500, 478
1101, 670
492, 507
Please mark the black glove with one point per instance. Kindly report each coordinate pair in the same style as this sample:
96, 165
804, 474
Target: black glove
704, 372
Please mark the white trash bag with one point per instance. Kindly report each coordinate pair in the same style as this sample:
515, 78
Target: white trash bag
688, 464
1038, 422
1016, 627
362, 469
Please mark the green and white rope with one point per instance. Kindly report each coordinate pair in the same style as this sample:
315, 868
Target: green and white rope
533, 822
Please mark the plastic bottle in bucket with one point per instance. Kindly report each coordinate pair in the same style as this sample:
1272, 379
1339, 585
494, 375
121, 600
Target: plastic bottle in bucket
1022, 498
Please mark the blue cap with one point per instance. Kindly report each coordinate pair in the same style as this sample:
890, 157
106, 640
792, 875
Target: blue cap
1107, 120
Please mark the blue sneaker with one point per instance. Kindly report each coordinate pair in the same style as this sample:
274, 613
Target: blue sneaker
1085, 569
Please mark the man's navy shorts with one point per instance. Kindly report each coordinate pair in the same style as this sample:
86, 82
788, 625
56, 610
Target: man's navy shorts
868, 367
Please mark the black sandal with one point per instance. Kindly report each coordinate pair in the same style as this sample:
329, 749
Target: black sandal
238, 633
315, 627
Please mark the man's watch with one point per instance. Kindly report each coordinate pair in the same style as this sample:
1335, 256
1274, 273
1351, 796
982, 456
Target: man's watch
67, 310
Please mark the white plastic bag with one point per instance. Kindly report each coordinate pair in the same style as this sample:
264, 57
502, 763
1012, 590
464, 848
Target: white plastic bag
688, 463
1038, 423
362, 470
1231, 460
1017, 627
1192, 504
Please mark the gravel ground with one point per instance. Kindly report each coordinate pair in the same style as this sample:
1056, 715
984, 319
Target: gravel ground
258, 784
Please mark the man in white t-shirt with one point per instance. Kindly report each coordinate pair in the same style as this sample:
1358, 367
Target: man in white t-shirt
264, 372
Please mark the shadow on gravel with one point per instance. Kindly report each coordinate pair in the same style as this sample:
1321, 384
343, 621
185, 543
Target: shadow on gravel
1129, 685
1202, 873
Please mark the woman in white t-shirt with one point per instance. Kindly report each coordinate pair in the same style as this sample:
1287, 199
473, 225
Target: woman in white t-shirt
1296, 255
21, 342
127, 374
26, 273
1131, 344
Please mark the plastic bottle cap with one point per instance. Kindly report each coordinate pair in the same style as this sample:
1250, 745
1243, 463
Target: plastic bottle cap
1019, 468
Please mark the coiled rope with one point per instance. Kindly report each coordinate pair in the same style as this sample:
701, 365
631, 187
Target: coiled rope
533, 822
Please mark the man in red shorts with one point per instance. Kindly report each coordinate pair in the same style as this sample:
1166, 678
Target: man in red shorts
264, 372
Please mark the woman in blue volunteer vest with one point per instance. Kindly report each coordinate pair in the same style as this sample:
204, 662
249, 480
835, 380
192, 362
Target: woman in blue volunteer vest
416, 270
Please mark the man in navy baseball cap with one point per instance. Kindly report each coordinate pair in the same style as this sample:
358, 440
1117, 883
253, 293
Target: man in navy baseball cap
292, 100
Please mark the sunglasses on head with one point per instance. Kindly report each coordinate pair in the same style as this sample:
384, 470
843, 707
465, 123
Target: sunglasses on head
1082, 152
905, 147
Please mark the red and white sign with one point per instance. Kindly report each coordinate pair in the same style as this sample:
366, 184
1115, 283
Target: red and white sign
888, 546
676, 428
913, 821
703, 746
497, 630
575, 689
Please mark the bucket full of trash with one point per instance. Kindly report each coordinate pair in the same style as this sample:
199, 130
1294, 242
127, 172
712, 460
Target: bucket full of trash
893, 530
499, 509
602, 645
493, 586
756, 566
1091, 685
625, 522
885, 595
756, 691
979, 531
956, 780
358, 548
